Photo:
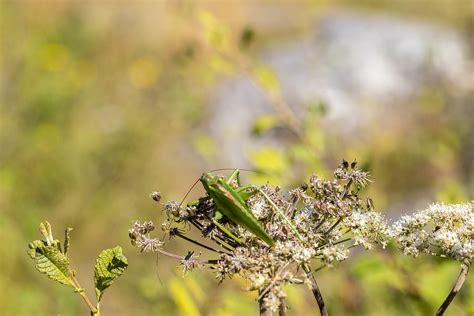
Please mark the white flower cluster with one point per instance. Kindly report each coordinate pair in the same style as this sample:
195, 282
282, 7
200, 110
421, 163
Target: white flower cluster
316, 223
368, 228
440, 230
260, 209
294, 250
334, 253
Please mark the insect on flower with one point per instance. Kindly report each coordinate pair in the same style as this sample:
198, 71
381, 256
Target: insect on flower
230, 203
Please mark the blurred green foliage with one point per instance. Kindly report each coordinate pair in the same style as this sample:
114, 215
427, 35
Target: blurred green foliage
100, 103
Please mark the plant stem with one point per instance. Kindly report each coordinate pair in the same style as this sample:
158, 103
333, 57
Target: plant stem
261, 306
316, 292
336, 243
85, 298
282, 308
173, 256
456, 288
199, 244
321, 222
333, 226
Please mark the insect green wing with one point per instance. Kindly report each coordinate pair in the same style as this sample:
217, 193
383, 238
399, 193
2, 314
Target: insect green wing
240, 214
232, 205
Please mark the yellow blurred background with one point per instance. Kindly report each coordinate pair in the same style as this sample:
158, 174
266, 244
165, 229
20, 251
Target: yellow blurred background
104, 102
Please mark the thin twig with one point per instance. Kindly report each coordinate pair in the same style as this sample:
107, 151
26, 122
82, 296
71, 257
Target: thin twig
333, 226
173, 256
319, 268
199, 244
456, 288
334, 244
347, 188
321, 222
220, 242
316, 292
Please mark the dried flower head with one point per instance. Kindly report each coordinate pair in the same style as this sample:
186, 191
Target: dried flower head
307, 226
139, 235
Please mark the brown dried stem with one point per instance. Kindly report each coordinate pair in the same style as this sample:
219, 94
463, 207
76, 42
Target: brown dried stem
282, 308
263, 310
456, 288
316, 292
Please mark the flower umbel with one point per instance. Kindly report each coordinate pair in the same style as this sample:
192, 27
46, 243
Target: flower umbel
313, 223
444, 230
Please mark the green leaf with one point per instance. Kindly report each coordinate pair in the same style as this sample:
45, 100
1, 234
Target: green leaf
205, 145
110, 264
217, 34
220, 65
182, 298
269, 160
247, 37
47, 232
264, 123
373, 270
267, 78
51, 261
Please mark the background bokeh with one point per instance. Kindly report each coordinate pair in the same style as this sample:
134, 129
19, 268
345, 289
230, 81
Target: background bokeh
105, 102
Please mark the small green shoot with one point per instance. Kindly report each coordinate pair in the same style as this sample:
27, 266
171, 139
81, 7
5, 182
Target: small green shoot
51, 259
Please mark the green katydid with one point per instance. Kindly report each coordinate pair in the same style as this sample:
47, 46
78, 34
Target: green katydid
231, 203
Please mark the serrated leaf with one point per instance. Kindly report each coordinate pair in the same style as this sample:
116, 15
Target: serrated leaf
110, 264
51, 261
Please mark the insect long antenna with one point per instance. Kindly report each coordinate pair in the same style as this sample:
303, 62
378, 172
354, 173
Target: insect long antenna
189, 191
229, 169
219, 169
157, 272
